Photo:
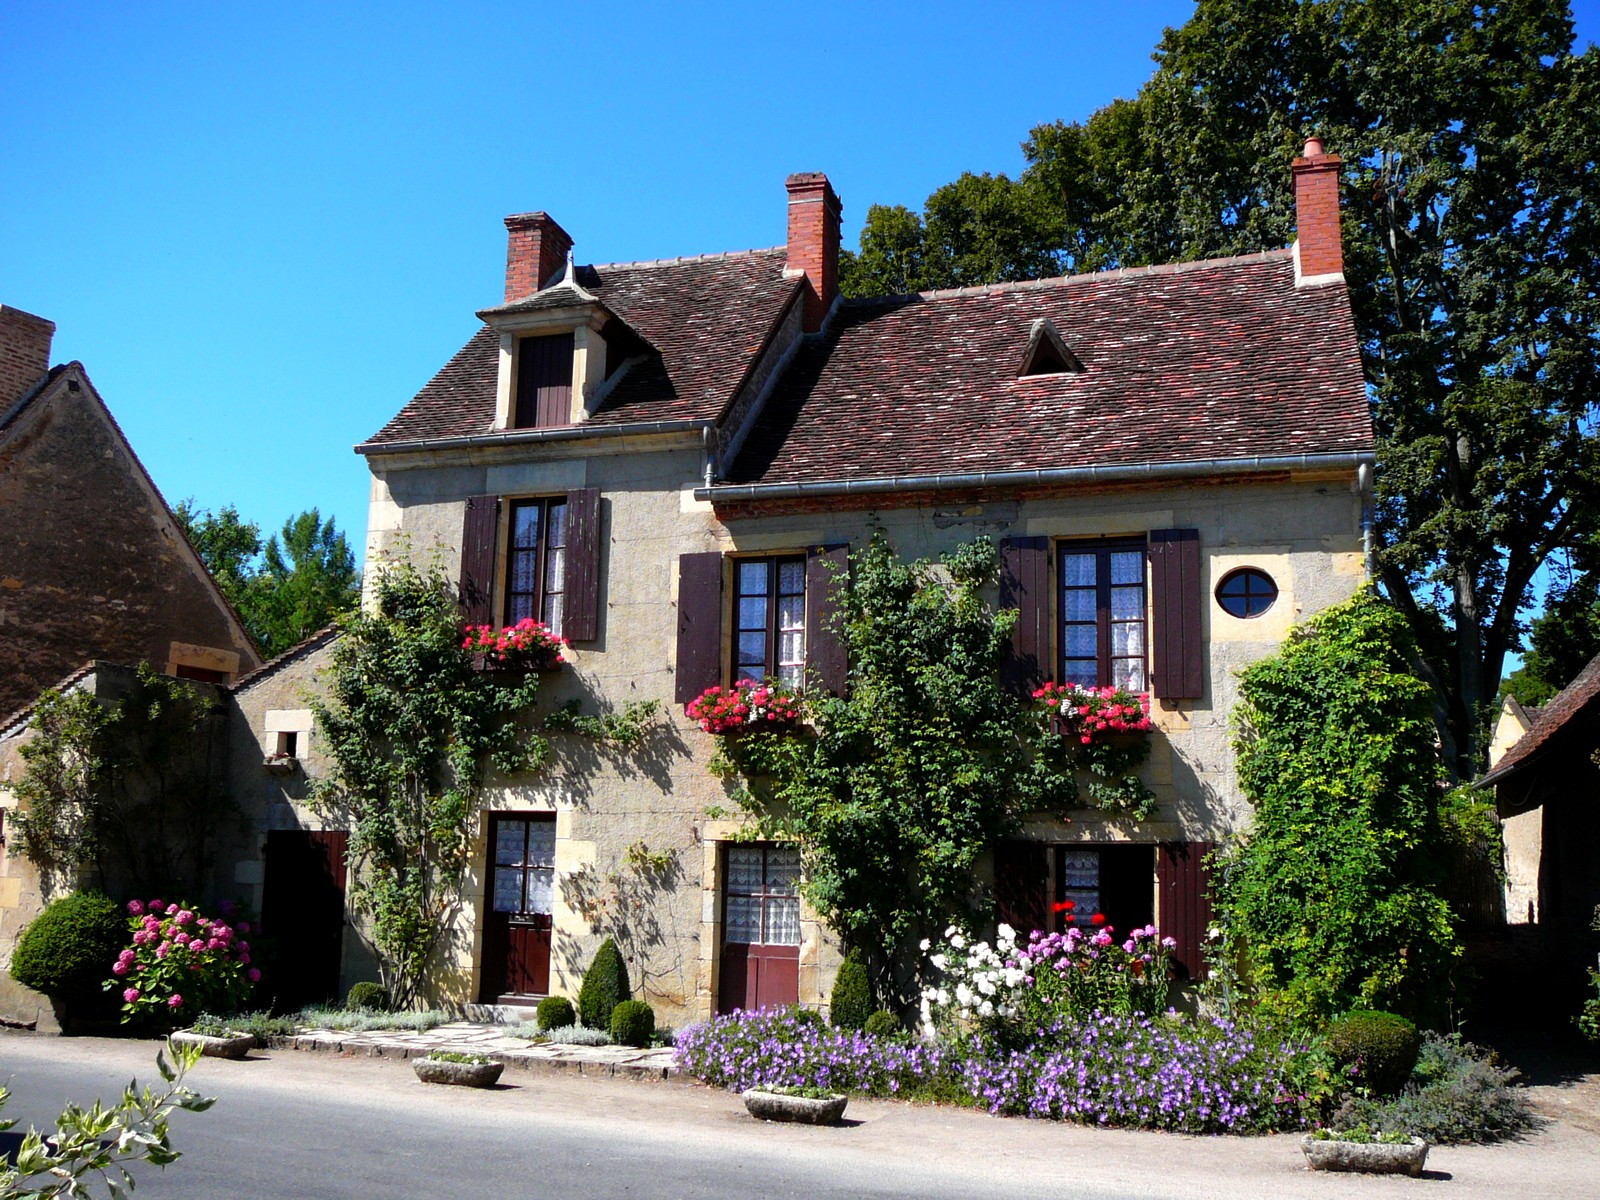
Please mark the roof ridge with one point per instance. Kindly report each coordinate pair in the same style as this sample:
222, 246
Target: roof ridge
300, 649
1021, 285
686, 258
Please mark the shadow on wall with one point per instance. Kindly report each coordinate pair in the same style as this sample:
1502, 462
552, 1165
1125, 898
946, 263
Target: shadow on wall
633, 905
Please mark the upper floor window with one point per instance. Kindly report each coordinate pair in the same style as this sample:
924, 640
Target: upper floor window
544, 381
536, 562
1103, 614
770, 619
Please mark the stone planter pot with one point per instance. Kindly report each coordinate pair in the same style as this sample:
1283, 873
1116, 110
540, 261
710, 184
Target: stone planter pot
235, 1045
1374, 1158
479, 1075
775, 1106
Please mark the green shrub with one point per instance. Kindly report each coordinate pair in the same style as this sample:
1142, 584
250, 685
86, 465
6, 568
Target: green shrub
605, 985
633, 1023
554, 1012
458, 1056
1457, 1094
1589, 1016
883, 1024
851, 1002
367, 996
66, 952
1377, 1049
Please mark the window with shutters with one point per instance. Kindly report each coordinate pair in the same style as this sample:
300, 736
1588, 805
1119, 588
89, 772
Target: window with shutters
1103, 622
536, 562
769, 610
544, 381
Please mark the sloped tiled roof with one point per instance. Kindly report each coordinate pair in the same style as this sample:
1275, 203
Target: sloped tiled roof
1223, 359
707, 318
1577, 702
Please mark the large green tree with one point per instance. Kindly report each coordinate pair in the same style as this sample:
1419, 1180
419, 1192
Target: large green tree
284, 590
1472, 234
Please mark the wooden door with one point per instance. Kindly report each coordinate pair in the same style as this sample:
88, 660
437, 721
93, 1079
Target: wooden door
302, 916
761, 928
516, 935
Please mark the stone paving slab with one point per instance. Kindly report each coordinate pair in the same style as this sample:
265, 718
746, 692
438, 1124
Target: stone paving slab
493, 1041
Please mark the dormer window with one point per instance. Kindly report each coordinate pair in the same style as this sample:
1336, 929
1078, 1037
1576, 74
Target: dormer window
1046, 353
544, 381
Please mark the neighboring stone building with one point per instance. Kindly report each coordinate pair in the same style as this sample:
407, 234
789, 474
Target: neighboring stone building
662, 458
92, 563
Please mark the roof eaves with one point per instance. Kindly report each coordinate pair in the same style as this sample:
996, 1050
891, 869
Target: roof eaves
295, 652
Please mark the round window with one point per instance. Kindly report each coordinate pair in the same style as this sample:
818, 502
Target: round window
1246, 592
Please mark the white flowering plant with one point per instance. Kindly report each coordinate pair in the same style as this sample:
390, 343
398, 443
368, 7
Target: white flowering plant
1021, 988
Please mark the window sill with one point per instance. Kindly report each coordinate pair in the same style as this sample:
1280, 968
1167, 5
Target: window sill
281, 764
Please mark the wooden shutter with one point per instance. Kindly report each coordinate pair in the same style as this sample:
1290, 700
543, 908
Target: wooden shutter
825, 649
1025, 586
580, 619
479, 534
1178, 652
1183, 886
1022, 886
699, 663
544, 381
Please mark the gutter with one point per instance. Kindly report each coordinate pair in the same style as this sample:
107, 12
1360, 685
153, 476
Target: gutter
884, 485
526, 437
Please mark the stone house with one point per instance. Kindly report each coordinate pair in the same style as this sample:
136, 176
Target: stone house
661, 459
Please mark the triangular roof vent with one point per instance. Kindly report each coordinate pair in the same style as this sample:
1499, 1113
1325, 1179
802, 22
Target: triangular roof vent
1047, 354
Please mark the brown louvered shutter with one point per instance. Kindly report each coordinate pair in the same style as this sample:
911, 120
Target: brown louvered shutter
1022, 886
826, 661
1183, 885
544, 381
478, 536
1179, 654
580, 619
1025, 586
699, 663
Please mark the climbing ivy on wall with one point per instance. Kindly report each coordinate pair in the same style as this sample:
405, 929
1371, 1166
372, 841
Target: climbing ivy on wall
906, 782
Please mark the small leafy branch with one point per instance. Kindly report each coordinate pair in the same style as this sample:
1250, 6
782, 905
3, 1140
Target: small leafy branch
100, 1142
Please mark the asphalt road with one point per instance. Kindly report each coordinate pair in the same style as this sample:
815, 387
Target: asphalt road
293, 1124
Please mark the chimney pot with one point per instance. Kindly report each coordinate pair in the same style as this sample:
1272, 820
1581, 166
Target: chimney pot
24, 352
814, 210
1319, 244
1313, 147
536, 252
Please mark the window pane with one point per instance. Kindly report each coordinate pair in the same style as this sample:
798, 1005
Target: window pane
744, 919
1085, 672
524, 568
791, 674
509, 842
541, 881
783, 870
783, 922
525, 526
1128, 673
1077, 570
1127, 602
754, 673
1080, 868
753, 579
542, 843
791, 649
1079, 641
507, 890
1127, 566
744, 869
556, 534
555, 569
1127, 638
753, 650
792, 612
554, 609
1078, 604
792, 578
752, 612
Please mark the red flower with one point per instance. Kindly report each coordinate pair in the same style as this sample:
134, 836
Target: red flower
1098, 919
1063, 906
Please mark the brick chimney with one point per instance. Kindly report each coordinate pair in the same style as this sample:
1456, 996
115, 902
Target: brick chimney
1316, 205
24, 352
814, 242
536, 250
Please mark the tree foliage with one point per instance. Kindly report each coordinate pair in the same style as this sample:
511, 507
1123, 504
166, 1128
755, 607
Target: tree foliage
916, 773
1333, 895
1472, 238
132, 788
284, 589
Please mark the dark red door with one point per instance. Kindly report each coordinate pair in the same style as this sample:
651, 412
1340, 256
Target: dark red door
302, 916
761, 928
516, 935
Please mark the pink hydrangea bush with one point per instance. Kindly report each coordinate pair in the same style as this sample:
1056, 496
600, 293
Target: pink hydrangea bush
529, 644
1089, 714
181, 962
747, 704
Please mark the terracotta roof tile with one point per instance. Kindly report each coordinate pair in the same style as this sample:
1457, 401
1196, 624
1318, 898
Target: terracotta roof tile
1578, 699
708, 317
1220, 359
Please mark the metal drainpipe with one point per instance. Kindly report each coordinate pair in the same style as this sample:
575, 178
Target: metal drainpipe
1364, 487
711, 466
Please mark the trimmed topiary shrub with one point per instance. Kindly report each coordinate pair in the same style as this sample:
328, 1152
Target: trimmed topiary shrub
1380, 1047
633, 1023
851, 1002
554, 1012
367, 996
883, 1024
66, 952
605, 985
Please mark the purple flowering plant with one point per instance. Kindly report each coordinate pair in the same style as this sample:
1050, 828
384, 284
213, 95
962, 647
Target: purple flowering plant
181, 961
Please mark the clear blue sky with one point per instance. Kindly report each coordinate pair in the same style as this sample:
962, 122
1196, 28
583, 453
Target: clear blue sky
262, 229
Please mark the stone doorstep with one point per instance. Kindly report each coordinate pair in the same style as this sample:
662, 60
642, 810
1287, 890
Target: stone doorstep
610, 1061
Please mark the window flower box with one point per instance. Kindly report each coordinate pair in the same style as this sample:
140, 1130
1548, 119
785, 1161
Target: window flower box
746, 706
1097, 716
526, 646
